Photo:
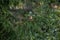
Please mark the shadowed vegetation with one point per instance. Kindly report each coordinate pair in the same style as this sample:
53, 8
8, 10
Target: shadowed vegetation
29, 19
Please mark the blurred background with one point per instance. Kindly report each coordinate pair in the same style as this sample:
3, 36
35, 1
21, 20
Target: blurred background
29, 19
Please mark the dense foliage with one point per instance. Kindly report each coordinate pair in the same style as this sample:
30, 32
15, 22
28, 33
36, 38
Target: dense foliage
40, 22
